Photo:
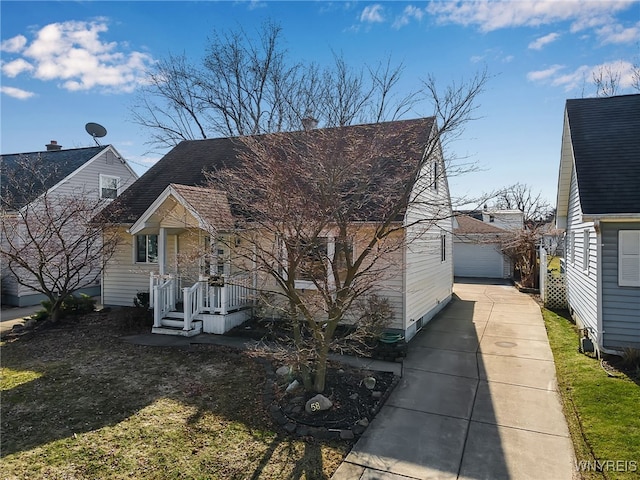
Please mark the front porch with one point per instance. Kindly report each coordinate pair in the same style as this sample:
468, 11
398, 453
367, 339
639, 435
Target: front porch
211, 305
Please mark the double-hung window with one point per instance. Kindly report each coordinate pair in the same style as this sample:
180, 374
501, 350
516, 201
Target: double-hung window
147, 248
109, 186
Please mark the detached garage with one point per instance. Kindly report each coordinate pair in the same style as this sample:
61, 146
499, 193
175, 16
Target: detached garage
476, 249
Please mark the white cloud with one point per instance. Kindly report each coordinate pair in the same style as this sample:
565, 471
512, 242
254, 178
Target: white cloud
16, 67
16, 92
372, 14
75, 54
542, 75
410, 12
494, 15
615, 33
541, 42
583, 76
14, 45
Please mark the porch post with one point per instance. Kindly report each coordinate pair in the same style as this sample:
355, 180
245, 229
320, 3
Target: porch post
162, 250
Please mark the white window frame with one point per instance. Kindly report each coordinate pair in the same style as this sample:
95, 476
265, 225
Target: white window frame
629, 258
586, 238
103, 179
147, 258
443, 247
436, 174
572, 247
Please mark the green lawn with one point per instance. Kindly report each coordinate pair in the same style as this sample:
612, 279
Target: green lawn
79, 403
603, 412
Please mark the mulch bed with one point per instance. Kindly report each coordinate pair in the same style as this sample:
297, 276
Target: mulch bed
354, 405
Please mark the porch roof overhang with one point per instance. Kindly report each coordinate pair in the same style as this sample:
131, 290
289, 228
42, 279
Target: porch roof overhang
210, 209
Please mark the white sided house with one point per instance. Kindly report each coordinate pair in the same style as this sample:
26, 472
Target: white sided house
178, 245
99, 172
477, 247
598, 204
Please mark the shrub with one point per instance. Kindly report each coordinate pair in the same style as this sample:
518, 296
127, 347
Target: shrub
631, 358
72, 305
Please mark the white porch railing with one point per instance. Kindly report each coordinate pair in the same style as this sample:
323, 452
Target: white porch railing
233, 294
194, 299
164, 300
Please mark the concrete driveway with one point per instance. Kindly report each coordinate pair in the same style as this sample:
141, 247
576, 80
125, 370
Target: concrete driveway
478, 399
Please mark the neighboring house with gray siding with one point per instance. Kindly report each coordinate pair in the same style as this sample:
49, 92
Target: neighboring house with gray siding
98, 171
598, 203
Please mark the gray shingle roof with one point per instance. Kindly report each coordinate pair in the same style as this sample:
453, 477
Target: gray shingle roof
52, 167
186, 163
605, 134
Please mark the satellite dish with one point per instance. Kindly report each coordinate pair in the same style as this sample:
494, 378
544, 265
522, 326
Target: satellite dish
96, 131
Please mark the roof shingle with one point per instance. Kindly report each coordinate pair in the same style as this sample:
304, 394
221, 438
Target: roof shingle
605, 135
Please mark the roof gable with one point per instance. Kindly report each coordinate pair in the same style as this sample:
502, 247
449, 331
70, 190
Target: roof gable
605, 138
210, 208
52, 167
186, 163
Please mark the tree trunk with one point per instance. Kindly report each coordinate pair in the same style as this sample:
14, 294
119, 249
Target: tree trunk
55, 312
321, 368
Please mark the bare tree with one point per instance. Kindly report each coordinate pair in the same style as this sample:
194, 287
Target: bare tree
248, 85
53, 244
606, 81
327, 208
519, 196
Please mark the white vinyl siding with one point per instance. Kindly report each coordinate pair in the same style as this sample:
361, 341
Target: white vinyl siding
428, 267
122, 278
86, 180
582, 292
629, 258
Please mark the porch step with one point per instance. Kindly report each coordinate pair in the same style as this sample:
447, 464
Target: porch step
176, 327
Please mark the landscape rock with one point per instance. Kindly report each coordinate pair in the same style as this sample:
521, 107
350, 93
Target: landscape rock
376, 394
292, 386
283, 371
363, 422
370, 382
318, 403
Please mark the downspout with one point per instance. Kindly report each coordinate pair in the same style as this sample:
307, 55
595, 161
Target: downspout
598, 266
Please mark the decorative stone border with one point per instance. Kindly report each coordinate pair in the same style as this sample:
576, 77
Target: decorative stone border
293, 427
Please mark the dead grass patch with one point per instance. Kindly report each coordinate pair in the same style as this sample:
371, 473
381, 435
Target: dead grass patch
80, 403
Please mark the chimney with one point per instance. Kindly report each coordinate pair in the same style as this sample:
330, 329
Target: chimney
309, 123
53, 146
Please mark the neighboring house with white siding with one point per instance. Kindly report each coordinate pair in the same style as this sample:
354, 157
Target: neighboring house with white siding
170, 220
598, 203
98, 171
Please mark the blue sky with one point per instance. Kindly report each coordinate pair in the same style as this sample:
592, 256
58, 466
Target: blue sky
68, 63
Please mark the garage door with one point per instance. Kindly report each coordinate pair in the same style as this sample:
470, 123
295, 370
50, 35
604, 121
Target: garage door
477, 260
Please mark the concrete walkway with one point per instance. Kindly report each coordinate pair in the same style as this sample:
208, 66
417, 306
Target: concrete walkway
478, 399
10, 316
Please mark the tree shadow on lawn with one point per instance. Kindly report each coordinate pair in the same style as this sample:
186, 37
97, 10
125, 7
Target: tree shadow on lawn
90, 379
